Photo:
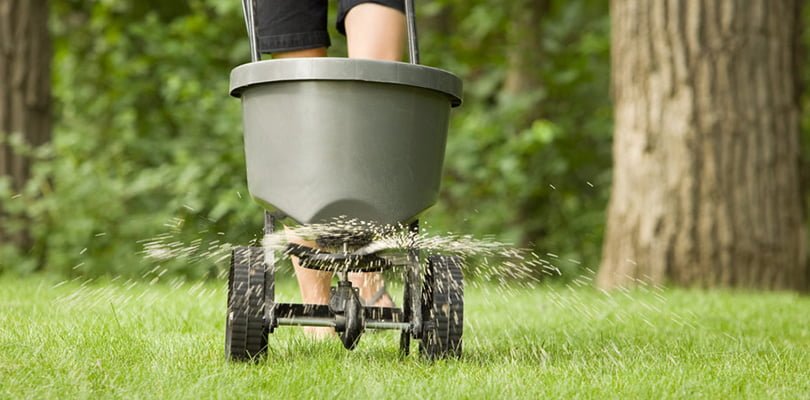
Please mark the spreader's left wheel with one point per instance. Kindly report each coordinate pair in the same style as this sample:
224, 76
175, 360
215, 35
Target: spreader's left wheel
245, 335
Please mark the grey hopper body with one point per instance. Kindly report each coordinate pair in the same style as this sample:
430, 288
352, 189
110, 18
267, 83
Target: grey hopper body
333, 137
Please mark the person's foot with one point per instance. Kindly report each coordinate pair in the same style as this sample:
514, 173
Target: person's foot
318, 332
372, 289
381, 298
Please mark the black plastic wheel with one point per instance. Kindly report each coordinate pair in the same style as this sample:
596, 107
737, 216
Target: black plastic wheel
442, 308
245, 333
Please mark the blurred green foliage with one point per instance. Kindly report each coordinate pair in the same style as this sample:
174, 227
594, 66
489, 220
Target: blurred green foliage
146, 135
531, 167
148, 141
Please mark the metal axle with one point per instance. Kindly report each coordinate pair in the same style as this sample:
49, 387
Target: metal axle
331, 323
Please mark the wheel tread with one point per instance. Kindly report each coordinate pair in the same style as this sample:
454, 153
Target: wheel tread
443, 307
246, 336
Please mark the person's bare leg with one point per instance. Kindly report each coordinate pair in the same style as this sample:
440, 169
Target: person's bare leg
377, 32
314, 286
374, 31
317, 52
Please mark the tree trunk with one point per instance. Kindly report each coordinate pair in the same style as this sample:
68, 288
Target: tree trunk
25, 58
706, 147
524, 52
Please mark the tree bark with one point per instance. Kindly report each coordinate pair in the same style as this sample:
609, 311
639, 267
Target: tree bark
25, 94
524, 52
706, 186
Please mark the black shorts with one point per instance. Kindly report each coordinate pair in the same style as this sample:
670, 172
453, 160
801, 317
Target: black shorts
286, 25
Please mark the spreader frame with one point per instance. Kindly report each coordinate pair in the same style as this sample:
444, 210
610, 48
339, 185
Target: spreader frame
344, 312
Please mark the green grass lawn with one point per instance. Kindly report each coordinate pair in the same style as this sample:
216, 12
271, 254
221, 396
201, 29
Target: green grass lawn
134, 340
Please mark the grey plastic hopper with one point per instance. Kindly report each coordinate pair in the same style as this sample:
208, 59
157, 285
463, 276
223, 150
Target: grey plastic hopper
337, 137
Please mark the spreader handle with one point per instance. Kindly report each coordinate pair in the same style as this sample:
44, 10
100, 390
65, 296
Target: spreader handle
413, 43
249, 11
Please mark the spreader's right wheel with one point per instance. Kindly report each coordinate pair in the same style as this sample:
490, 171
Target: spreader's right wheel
442, 308
245, 335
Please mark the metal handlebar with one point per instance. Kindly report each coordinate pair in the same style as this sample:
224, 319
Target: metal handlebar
248, 10
410, 20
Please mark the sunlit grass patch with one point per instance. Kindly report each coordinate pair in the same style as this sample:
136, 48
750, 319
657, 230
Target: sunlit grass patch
124, 339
